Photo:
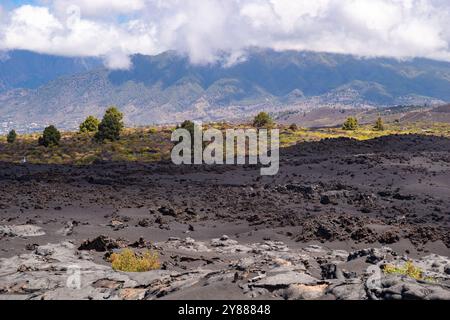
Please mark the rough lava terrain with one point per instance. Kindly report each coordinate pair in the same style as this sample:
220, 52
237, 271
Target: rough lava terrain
323, 228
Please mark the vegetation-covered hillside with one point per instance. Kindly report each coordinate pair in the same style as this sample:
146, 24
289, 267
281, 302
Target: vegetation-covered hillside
150, 144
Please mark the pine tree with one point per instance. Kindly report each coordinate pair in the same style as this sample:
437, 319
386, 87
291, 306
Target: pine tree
111, 125
379, 125
89, 125
262, 120
50, 137
350, 124
12, 136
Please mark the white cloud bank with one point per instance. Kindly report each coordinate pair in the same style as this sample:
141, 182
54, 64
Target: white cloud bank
209, 30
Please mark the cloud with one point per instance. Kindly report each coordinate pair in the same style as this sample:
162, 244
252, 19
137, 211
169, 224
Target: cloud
117, 60
100, 7
209, 31
37, 29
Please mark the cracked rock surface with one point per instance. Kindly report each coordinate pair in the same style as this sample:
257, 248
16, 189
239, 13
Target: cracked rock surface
196, 269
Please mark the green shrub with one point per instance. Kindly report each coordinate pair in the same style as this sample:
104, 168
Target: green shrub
89, 125
293, 127
50, 137
350, 124
379, 125
129, 261
12, 136
262, 120
111, 125
189, 126
409, 270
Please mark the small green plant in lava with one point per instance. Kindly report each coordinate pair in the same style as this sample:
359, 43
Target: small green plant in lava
409, 270
130, 261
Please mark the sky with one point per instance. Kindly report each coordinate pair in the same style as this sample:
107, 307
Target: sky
222, 31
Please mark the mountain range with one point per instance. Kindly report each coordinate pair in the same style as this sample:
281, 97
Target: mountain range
38, 89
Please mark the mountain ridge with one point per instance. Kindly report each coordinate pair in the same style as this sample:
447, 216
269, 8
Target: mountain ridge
166, 88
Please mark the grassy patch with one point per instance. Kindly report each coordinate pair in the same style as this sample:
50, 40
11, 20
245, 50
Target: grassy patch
409, 270
364, 132
153, 143
129, 261
137, 144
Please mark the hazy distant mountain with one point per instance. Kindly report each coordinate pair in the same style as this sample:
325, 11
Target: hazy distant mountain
24, 69
167, 88
335, 117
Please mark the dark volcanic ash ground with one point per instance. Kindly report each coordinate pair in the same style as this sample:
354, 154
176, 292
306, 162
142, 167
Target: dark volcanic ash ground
336, 212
